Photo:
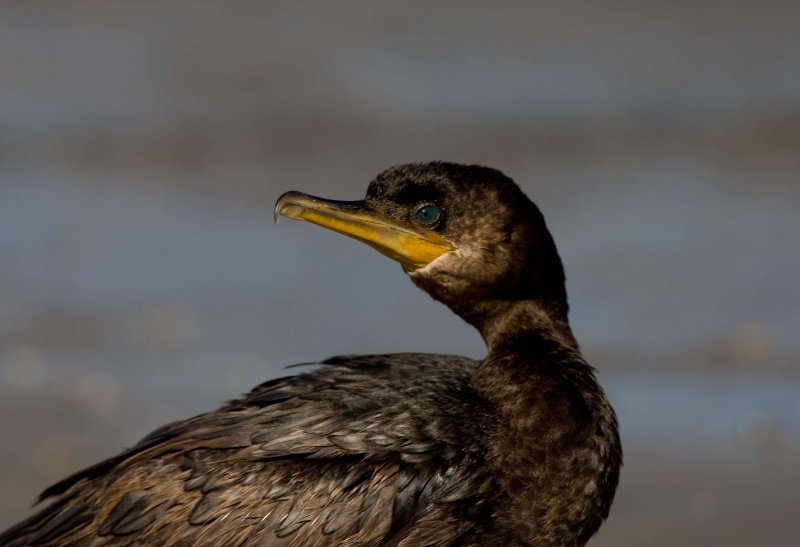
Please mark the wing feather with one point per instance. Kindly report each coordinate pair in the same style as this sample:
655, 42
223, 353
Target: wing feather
337, 456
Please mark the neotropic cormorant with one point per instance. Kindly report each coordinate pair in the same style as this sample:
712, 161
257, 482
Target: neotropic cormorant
400, 450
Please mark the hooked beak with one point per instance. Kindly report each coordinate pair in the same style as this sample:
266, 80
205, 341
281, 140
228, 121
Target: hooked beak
410, 247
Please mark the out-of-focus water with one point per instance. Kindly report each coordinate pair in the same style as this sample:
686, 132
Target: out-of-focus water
142, 279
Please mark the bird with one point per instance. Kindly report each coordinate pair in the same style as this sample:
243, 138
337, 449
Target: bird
398, 450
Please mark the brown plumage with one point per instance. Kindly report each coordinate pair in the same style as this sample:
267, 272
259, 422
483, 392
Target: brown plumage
393, 450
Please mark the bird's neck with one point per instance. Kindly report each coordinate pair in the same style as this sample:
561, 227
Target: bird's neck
506, 324
553, 435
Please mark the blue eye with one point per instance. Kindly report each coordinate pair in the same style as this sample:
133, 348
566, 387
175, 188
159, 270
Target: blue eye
427, 215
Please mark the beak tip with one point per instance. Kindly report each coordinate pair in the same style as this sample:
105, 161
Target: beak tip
286, 204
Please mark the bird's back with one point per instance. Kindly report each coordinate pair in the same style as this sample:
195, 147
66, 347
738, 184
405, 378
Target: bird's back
367, 450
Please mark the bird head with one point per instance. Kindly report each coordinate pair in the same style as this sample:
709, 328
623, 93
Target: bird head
463, 233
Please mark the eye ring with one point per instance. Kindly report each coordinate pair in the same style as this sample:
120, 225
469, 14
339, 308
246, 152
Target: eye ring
427, 214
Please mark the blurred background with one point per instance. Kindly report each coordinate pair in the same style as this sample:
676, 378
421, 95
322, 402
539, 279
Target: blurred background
143, 144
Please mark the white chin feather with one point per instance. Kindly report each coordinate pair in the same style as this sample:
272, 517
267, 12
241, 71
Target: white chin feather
440, 262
